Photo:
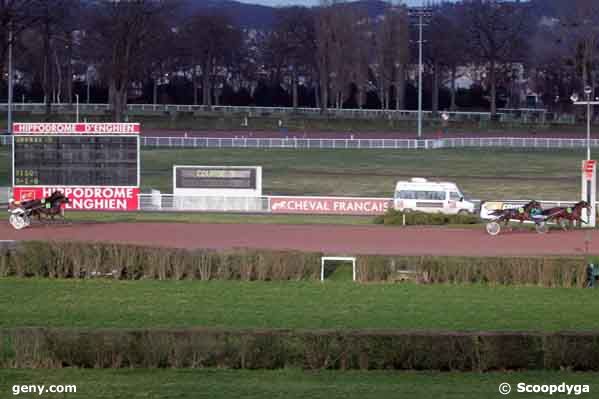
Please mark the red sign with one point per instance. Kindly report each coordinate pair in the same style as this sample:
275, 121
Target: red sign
76, 128
330, 205
86, 198
588, 168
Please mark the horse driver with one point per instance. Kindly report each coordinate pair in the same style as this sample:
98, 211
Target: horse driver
535, 213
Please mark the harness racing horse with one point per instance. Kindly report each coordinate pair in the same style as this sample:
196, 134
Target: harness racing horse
526, 212
50, 207
571, 214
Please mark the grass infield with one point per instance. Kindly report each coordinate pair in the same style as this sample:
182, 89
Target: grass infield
301, 305
288, 384
483, 174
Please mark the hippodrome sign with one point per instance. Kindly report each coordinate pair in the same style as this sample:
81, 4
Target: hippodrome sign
96, 165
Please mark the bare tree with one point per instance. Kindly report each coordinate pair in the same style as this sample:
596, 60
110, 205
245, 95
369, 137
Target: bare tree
339, 32
446, 49
15, 17
580, 31
214, 41
120, 34
498, 35
392, 54
291, 46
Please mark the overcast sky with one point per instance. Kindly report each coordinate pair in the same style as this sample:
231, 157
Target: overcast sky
301, 2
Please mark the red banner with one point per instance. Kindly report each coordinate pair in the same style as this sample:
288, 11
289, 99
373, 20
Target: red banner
76, 128
86, 198
330, 205
588, 168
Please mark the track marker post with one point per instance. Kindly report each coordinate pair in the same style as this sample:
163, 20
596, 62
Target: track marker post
351, 259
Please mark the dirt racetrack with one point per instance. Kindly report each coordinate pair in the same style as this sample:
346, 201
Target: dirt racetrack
332, 240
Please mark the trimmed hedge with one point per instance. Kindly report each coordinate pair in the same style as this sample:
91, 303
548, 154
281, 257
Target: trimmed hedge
125, 262
273, 349
396, 218
552, 271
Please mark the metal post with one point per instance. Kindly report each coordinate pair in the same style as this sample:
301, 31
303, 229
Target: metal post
10, 78
87, 81
420, 76
588, 128
77, 107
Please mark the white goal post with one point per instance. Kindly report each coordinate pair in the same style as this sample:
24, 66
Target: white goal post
351, 259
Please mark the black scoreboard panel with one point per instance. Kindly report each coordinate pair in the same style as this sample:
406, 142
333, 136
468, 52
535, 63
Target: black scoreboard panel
229, 178
75, 161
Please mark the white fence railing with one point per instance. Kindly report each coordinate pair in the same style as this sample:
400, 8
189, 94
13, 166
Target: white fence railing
523, 115
292, 204
265, 204
366, 144
307, 143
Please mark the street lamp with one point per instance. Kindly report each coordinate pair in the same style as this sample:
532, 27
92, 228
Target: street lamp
576, 101
10, 78
588, 90
420, 12
589, 166
77, 109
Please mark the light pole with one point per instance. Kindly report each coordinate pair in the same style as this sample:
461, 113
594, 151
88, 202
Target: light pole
77, 108
575, 100
87, 83
589, 180
10, 78
588, 90
420, 12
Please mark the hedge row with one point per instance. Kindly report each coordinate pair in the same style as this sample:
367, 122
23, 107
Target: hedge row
272, 349
393, 217
85, 260
540, 271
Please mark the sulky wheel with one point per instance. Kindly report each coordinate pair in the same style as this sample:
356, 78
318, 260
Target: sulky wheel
19, 222
493, 228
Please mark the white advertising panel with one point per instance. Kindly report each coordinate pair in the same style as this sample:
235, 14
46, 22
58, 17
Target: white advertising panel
226, 181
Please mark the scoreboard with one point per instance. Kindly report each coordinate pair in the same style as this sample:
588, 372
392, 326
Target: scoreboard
217, 180
75, 161
96, 165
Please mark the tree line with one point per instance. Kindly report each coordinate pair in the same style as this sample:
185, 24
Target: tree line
331, 56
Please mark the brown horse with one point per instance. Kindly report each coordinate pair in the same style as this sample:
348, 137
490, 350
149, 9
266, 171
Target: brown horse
570, 213
522, 213
49, 207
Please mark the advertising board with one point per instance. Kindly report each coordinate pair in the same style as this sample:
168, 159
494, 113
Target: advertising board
96, 165
330, 205
228, 181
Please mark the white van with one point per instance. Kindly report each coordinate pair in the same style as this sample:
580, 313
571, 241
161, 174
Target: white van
432, 197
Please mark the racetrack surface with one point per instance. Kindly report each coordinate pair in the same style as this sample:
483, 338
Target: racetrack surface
332, 240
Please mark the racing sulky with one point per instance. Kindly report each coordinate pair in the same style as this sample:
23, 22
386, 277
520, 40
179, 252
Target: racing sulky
22, 213
569, 215
532, 211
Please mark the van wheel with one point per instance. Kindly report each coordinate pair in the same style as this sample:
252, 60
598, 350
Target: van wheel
463, 212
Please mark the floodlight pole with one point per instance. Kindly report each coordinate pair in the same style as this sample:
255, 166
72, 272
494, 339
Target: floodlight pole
588, 126
77, 108
10, 78
420, 16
